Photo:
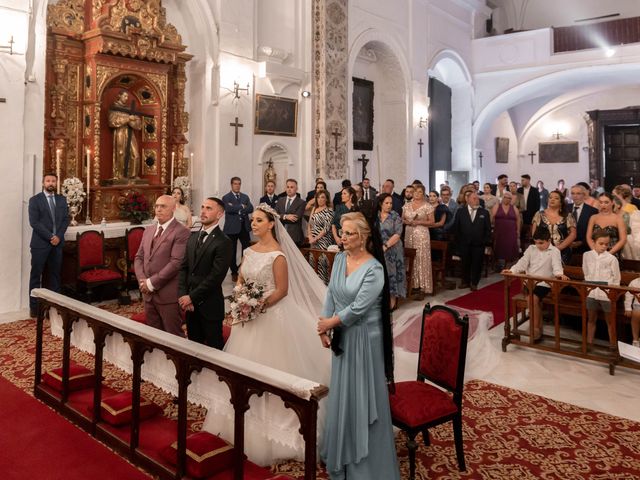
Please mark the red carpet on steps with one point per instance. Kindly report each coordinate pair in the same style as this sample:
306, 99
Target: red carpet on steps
37, 443
487, 299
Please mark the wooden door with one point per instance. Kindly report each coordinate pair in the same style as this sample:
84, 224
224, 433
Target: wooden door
622, 155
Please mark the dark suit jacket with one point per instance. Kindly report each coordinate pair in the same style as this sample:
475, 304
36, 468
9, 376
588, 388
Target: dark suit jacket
271, 203
202, 273
635, 201
162, 263
367, 208
533, 204
235, 215
476, 233
373, 193
42, 223
297, 208
583, 223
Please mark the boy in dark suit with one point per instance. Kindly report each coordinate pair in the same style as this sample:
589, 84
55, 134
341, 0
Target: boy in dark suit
237, 208
49, 218
472, 228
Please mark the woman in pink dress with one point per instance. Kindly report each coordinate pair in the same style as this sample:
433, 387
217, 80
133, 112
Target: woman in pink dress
506, 220
418, 217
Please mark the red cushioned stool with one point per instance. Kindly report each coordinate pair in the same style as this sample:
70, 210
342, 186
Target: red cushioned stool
207, 455
417, 406
79, 378
117, 409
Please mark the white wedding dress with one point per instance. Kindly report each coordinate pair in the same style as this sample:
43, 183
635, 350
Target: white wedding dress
285, 338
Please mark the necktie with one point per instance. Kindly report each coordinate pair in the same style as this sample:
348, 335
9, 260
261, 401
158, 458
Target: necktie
156, 237
288, 205
201, 239
237, 196
473, 214
52, 209
366, 194
576, 212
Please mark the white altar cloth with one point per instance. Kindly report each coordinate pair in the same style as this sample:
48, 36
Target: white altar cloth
112, 230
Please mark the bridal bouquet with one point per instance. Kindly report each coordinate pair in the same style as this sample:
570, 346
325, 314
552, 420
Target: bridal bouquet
247, 301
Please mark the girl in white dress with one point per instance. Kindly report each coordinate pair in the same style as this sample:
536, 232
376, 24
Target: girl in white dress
283, 337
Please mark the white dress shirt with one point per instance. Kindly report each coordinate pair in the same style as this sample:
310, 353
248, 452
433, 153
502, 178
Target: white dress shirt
600, 267
472, 212
629, 298
540, 263
525, 195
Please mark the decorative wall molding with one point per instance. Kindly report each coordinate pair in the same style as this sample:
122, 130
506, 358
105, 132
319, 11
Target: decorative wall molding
270, 54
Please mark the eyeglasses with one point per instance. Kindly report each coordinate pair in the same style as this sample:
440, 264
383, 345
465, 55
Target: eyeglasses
346, 233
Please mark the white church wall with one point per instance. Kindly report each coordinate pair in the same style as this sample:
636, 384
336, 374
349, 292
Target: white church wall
501, 127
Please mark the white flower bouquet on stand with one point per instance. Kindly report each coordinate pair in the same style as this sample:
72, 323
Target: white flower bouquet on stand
73, 190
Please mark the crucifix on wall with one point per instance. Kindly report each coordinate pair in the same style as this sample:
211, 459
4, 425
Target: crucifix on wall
532, 154
336, 135
236, 125
480, 157
420, 144
364, 161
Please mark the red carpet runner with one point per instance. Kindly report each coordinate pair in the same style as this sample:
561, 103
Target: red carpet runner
37, 443
487, 299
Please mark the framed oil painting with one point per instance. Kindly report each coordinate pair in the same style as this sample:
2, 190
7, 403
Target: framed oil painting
502, 150
362, 114
276, 116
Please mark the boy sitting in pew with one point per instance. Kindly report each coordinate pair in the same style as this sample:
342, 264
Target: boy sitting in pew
600, 266
539, 260
632, 310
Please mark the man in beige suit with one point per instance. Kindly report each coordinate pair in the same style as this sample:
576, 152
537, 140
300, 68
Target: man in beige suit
157, 265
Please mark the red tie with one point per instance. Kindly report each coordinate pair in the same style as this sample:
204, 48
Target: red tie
158, 234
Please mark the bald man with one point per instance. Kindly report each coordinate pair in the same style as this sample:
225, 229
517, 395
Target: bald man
157, 265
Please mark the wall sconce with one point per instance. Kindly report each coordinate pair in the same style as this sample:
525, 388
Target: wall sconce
8, 48
306, 94
237, 90
557, 129
557, 134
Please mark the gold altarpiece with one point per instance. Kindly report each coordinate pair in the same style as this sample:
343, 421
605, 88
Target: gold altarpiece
97, 49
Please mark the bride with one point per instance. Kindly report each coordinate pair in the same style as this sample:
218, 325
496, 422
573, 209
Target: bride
284, 337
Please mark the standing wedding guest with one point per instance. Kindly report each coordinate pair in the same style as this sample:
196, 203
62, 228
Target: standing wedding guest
544, 196
202, 271
337, 198
441, 215
596, 189
516, 198
418, 217
182, 213
157, 264
49, 219
358, 439
390, 225
237, 207
319, 185
407, 194
562, 189
367, 207
490, 200
270, 197
348, 204
398, 202
291, 209
506, 235
451, 204
472, 229
623, 192
589, 199
502, 186
319, 230
561, 225
582, 213
530, 204
607, 220
636, 191
368, 192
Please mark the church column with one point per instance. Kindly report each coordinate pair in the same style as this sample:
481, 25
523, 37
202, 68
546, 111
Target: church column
330, 55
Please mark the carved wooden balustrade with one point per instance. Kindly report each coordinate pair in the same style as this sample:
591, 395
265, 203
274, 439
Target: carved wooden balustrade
302, 396
567, 297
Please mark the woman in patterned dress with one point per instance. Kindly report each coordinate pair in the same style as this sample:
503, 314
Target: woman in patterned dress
560, 223
390, 225
319, 230
418, 217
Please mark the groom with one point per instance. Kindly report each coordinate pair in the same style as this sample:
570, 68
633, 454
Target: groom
203, 270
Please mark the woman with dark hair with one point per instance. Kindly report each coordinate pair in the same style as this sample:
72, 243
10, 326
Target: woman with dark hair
348, 202
358, 439
441, 215
561, 225
182, 213
319, 230
607, 220
390, 227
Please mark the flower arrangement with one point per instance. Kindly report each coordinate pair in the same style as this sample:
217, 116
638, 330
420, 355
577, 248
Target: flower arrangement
183, 183
73, 190
247, 302
135, 207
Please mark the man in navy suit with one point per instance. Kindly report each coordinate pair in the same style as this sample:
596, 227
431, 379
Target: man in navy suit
291, 209
237, 207
582, 213
270, 197
531, 198
49, 218
472, 228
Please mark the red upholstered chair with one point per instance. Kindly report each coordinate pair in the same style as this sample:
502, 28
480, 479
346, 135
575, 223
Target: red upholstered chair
416, 405
133, 238
92, 269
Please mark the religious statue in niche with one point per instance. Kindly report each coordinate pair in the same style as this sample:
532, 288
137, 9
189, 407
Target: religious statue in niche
123, 119
269, 173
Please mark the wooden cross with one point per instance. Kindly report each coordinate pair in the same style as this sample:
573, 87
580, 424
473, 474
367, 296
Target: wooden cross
480, 156
531, 154
236, 125
336, 134
420, 144
364, 161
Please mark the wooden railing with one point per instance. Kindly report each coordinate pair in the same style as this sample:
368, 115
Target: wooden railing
562, 303
187, 358
596, 35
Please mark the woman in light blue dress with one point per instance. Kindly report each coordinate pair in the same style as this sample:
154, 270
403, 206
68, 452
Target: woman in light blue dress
358, 439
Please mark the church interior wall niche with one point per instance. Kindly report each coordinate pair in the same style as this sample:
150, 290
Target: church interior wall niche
276, 116
362, 114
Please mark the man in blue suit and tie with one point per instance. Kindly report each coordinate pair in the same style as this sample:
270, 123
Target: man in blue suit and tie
237, 207
49, 218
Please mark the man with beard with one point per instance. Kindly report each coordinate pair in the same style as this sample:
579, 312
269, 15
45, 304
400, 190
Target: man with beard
49, 218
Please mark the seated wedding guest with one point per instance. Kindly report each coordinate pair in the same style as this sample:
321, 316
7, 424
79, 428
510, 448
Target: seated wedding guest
582, 212
506, 235
539, 260
358, 441
398, 202
319, 230
390, 225
417, 216
348, 204
632, 310
544, 195
472, 230
490, 200
270, 197
561, 225
607, 220
441, 215
311, 194
182, 213
599, 266
337, 198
